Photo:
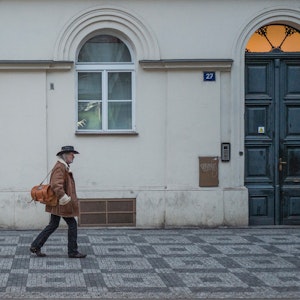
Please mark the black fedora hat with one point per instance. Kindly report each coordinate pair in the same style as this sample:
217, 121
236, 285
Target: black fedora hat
65, 149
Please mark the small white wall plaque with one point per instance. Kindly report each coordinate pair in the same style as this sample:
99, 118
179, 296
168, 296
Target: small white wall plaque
261, 129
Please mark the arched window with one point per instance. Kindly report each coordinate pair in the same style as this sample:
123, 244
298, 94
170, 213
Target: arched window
105, 74
274, 38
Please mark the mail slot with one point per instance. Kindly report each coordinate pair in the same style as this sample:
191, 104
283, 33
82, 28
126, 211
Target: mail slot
208, 171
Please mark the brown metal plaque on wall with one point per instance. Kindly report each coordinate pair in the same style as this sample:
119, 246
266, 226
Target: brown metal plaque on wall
208, 171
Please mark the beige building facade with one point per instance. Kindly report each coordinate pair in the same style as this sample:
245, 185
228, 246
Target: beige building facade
158, 116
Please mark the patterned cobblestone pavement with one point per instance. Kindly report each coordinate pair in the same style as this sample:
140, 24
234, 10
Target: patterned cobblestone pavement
250, 263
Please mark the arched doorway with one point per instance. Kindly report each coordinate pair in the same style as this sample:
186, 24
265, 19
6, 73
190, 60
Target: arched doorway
272, 125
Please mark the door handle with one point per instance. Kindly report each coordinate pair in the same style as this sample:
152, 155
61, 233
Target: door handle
281, 163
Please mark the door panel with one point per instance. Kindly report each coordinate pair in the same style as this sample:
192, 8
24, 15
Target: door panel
258, 164
290, 141
258, 78
261, 207
259, 145
272, 138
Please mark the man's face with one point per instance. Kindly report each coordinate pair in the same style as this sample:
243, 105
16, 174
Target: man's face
69, 157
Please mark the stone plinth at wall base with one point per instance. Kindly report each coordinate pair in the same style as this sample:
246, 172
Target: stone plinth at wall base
208, 207
236, 207
194, 208
202, 208
17, 212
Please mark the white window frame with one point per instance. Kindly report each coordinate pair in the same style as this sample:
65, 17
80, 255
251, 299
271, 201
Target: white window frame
105, 69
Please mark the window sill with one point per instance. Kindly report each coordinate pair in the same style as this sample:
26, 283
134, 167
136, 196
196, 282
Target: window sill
109, 133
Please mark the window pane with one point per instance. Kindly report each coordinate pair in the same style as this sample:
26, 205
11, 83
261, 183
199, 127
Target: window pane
119, 115
89, 86
104, 48
90, 115
119, 86
274, 37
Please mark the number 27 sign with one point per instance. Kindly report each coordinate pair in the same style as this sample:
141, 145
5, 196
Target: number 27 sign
209, 76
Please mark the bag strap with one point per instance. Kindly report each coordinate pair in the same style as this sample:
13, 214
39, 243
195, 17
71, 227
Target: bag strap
49, 174
65, 175
46, 176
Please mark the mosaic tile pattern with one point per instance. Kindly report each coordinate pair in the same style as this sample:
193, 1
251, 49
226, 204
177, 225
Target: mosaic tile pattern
250, 263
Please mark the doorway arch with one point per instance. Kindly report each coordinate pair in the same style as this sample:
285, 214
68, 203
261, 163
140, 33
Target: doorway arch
279, 15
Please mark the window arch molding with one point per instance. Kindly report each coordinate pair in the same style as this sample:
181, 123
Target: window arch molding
110, 20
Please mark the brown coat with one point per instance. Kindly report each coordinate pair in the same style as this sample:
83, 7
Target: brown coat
62, 183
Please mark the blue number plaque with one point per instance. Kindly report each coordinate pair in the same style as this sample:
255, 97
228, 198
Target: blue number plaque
209, 76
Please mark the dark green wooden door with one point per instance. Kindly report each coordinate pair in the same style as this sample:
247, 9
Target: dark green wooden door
272, 138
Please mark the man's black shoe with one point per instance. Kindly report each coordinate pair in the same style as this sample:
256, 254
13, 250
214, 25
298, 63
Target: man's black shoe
77, 255
37, 252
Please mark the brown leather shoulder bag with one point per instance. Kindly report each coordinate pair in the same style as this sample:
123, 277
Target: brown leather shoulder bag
44, 194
